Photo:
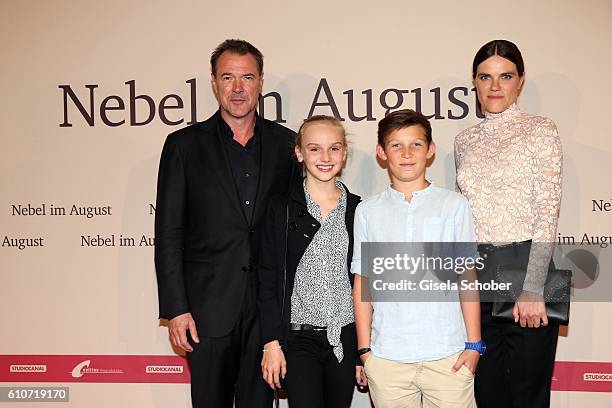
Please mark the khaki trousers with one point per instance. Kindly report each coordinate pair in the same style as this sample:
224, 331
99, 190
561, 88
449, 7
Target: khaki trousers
425, 384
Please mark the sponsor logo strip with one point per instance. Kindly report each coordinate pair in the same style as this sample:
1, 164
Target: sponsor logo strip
582, 376
93, 369
567, 376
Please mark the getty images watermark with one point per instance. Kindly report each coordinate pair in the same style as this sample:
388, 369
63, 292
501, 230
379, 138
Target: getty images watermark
440, 271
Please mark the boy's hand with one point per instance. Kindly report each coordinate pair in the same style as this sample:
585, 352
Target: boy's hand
468, 358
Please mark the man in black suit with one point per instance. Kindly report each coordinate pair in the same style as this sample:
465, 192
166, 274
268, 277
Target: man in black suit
215, 178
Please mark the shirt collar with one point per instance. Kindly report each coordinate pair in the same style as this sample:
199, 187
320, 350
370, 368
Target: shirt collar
341, 201
399, 196
226, 131
497, 119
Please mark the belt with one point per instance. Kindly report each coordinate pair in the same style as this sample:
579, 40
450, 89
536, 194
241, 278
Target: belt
306, 327
490, 248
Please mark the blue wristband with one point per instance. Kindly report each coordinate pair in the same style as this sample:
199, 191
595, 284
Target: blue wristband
479, 346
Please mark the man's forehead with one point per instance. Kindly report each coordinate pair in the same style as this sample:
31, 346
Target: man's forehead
233, 61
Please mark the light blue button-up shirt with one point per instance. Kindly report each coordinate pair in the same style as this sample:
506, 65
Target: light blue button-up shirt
414, 331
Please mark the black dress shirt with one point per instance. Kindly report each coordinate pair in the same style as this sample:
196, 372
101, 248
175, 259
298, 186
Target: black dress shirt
245, 163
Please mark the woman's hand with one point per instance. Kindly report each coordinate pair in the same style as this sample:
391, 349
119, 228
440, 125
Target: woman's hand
529, 310
468, 358
273, 364
362, 380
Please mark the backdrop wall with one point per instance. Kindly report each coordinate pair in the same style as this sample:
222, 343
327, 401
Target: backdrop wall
91, 89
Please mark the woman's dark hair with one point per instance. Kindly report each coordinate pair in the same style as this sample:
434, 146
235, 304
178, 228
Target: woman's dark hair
505, 49
402, 119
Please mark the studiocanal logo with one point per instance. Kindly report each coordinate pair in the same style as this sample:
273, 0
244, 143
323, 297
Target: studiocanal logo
83, 368
597, 377
164, 369
28, 368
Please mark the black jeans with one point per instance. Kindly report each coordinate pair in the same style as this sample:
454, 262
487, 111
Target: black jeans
315, 378
516, 370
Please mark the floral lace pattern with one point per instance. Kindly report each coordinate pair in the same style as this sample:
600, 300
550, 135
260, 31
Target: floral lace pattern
509, 167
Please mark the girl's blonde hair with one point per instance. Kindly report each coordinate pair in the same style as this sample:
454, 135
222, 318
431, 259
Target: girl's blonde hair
330, 120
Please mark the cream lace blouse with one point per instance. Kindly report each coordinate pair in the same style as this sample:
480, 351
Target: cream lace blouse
509, 167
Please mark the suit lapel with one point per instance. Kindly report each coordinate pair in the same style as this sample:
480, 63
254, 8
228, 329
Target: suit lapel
269, 156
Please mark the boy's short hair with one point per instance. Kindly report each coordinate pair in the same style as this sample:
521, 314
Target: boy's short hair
401, 119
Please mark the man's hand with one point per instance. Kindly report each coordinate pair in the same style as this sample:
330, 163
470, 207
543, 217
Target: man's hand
529, 310
468, 358
273, 364
177, 330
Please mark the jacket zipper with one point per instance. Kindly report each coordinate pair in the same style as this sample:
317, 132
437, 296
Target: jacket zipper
285, 263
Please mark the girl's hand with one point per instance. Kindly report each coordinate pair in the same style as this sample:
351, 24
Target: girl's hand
273, 364
362, 380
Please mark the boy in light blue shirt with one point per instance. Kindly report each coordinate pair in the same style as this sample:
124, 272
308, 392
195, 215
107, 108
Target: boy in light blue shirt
414, 353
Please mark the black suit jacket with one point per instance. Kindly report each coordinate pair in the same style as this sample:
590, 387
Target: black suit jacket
203, 240
288, 230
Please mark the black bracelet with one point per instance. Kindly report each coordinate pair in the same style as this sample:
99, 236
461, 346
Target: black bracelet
363, 351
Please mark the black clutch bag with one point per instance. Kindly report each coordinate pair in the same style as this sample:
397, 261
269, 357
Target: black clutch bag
556, 293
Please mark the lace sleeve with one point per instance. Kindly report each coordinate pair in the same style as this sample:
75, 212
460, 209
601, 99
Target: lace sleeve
458, 145
547, 197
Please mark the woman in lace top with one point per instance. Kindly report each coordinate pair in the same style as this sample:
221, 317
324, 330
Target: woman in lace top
509, 168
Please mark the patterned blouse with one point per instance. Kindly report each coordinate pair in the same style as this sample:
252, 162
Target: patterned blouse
509, 167
322, 290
